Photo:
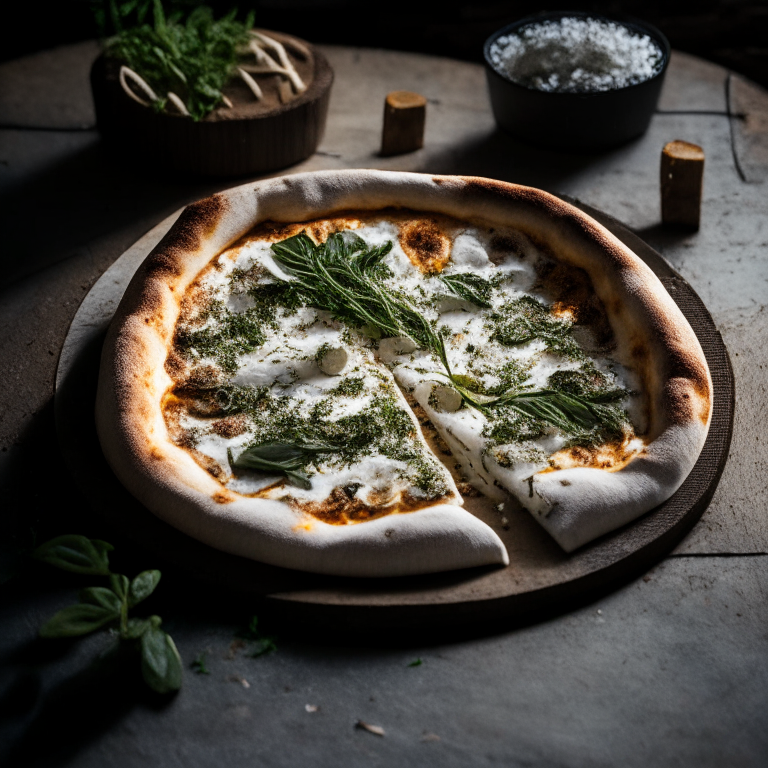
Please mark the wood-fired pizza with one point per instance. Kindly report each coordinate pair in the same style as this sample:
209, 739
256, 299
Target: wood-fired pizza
310, 371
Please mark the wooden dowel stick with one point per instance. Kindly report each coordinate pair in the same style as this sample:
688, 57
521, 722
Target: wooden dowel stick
404, 117
682, 173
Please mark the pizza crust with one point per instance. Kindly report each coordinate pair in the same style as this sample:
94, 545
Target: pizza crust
574, 505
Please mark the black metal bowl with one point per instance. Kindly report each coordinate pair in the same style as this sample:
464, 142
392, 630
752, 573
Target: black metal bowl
575, 121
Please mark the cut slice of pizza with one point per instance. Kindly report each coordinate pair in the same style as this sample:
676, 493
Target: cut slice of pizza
259, 382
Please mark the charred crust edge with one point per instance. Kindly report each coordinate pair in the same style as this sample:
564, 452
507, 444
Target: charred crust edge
187, 234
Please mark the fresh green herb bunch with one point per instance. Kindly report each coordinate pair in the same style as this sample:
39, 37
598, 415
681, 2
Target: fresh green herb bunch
193, 57
112, 17
101, 607
345, 277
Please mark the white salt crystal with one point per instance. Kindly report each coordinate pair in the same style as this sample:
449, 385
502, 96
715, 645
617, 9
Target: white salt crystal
576, 55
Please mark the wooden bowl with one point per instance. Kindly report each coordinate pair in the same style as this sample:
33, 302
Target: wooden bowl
249, 138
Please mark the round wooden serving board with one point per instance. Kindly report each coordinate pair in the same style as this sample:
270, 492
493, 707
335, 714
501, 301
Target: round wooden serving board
540, 575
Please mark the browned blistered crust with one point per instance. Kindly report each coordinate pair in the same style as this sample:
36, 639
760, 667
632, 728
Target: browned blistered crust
197, 402
163, 271
342, 507
143, 327
196, 222
230, 426
426, 240
318, 229
573, 294
425, 244
610, 456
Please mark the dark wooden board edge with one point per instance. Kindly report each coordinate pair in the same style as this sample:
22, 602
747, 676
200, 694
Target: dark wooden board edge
605, 564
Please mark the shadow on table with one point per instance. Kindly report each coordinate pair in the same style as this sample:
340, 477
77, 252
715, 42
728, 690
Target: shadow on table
497, 155
663, 236
76, 711
88, 195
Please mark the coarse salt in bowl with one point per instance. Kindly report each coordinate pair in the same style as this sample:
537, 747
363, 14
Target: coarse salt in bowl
575, 80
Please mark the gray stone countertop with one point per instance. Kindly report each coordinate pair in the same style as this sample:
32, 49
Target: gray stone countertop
670, 670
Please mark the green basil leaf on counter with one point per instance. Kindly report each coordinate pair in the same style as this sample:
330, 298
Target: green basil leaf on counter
160, 661
143, 586
76, 554
102, 547
135, 628
199, 665
99, 606
261, 647
260, 644
102, 597
119, 584
77, 620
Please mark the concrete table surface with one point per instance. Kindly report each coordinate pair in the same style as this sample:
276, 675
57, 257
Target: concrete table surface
670, 670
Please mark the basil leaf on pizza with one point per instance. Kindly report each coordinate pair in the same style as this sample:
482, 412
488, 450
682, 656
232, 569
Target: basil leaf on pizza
307, 370
471, 288
286, 458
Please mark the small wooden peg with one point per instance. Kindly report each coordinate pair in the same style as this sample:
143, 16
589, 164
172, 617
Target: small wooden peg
682, 173
404, 116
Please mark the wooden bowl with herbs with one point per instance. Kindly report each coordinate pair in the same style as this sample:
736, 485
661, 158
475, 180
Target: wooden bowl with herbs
211, 98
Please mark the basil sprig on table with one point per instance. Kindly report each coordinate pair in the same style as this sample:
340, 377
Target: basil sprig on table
287, 459
345, 277
108, 607
259, 643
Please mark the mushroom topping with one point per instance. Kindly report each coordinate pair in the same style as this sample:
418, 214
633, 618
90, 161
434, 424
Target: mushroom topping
445, 398
333, 361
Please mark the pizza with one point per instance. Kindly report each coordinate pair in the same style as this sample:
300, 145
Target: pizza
314, 371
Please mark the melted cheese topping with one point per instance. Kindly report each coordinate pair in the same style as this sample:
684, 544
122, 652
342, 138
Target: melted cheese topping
231, 395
